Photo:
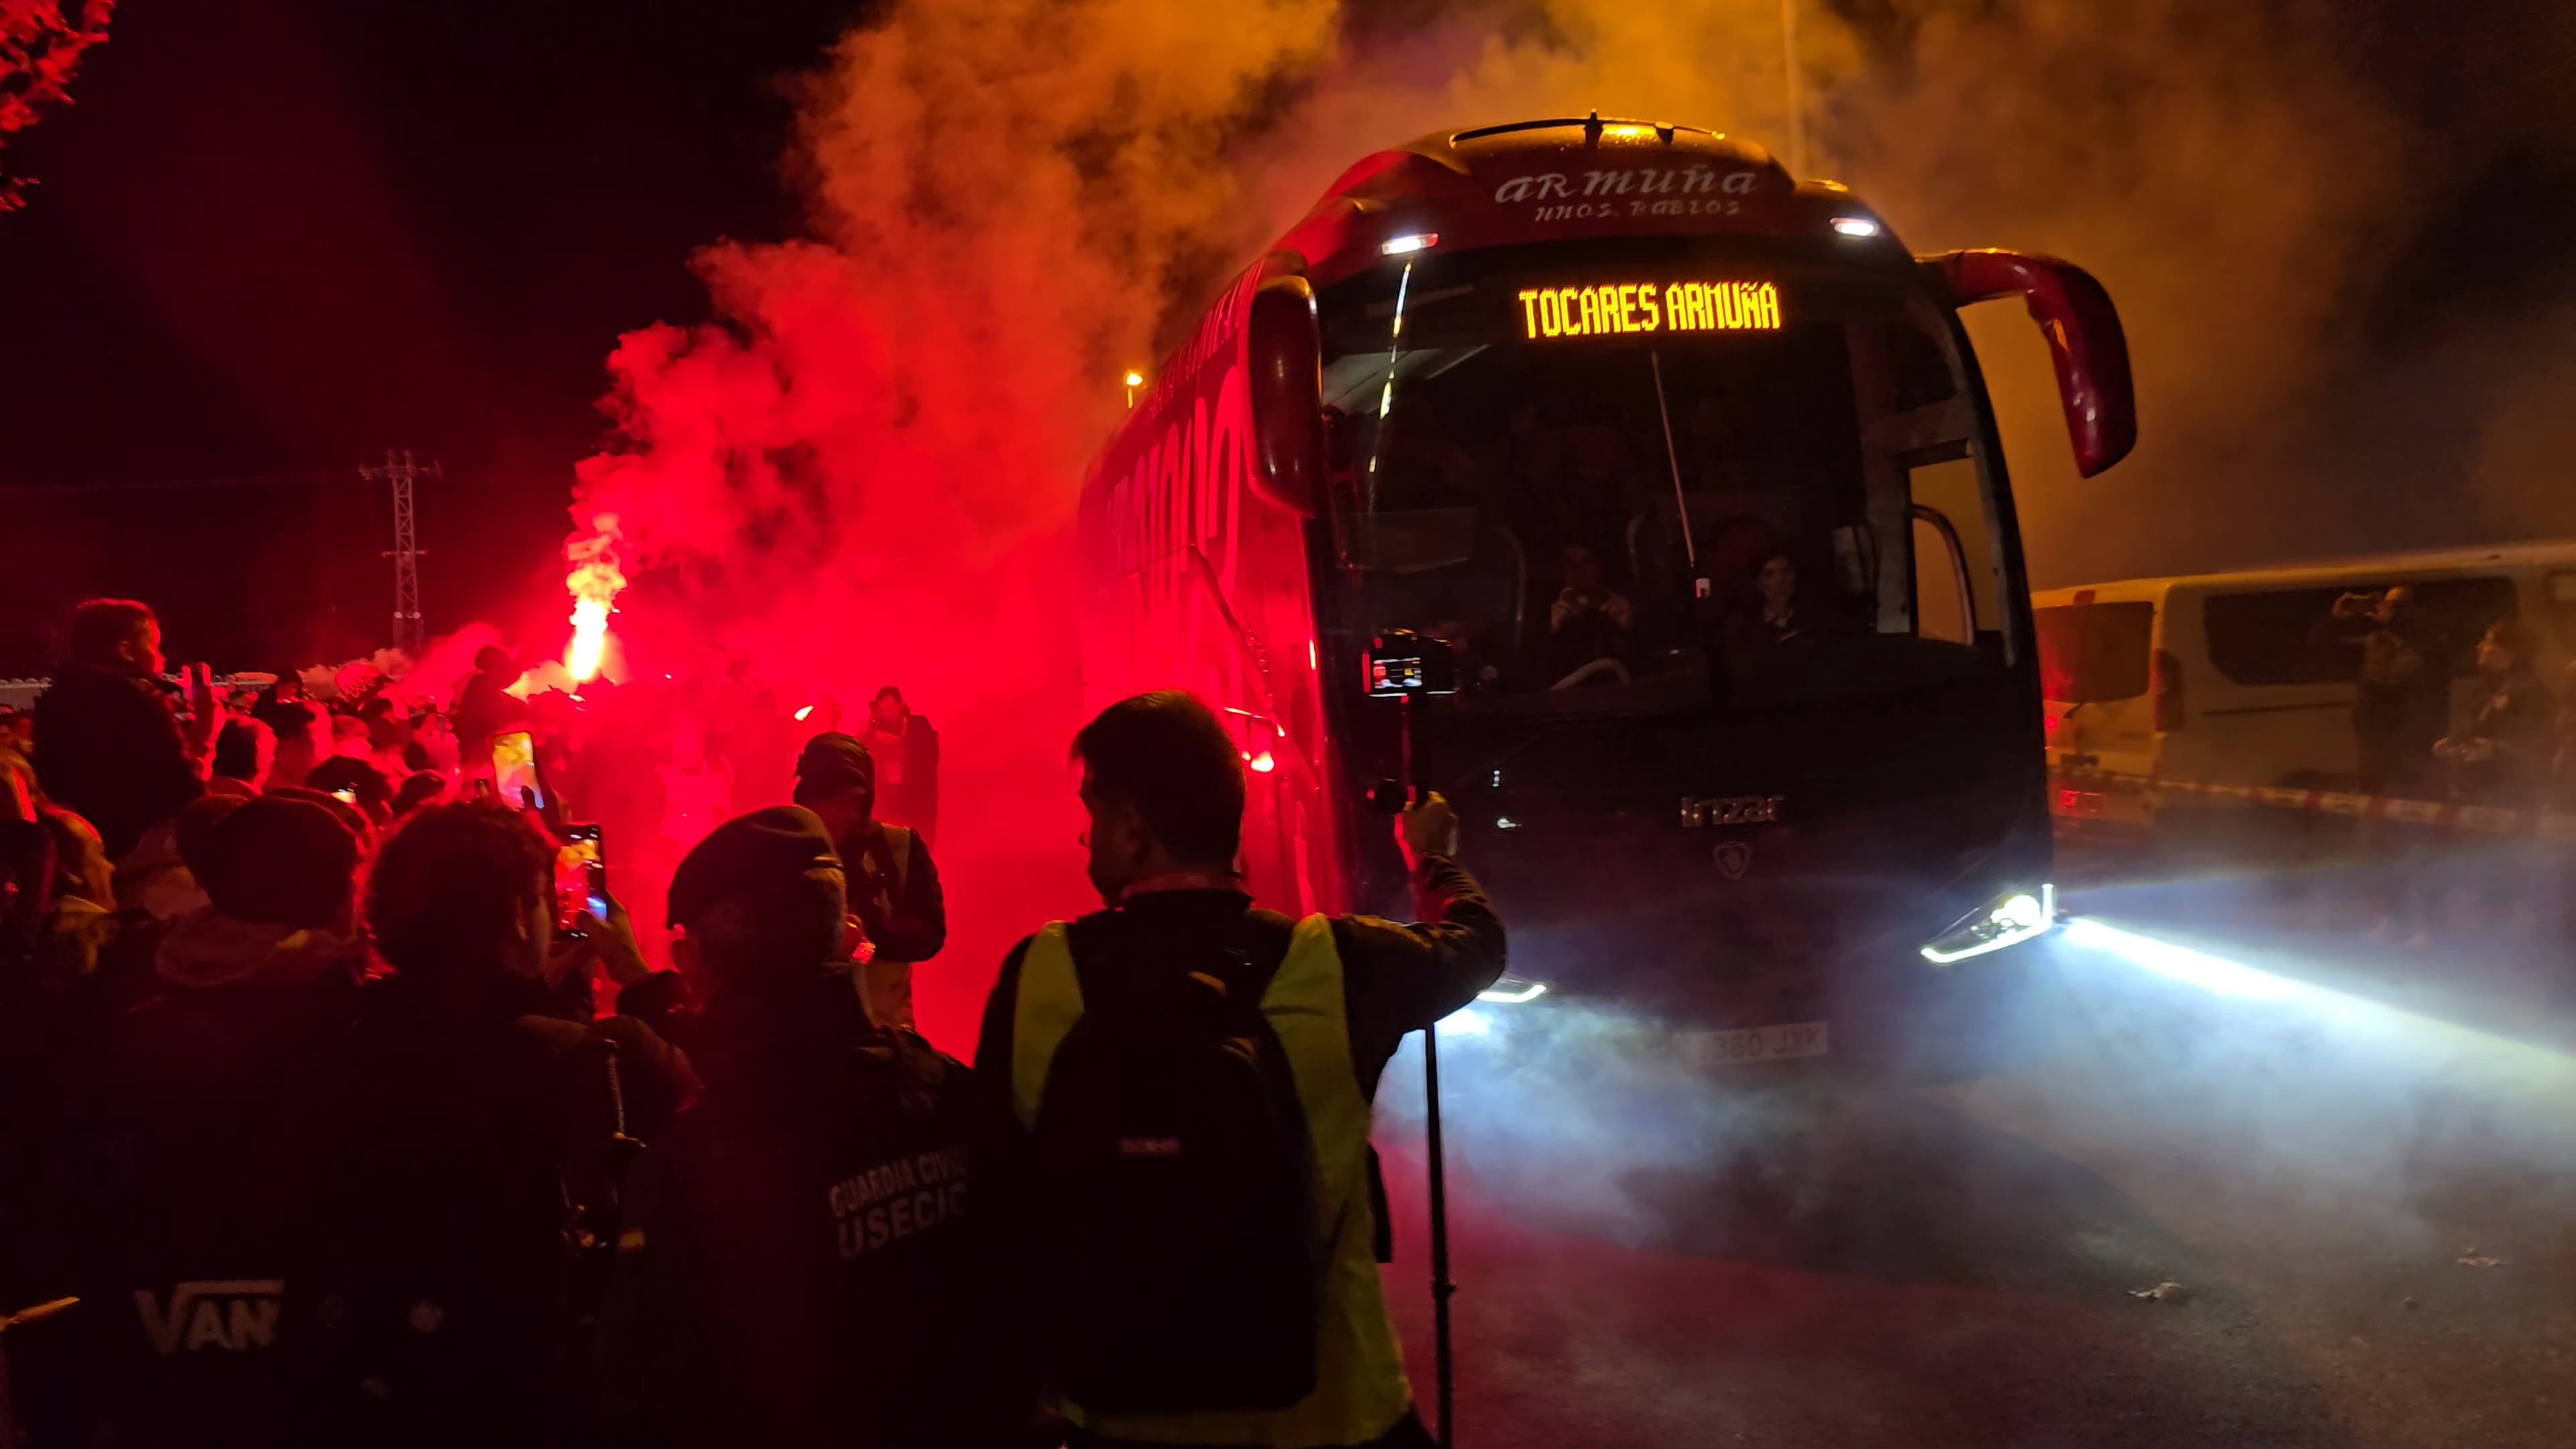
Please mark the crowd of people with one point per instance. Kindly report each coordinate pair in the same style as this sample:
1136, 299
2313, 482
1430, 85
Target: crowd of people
330, 1117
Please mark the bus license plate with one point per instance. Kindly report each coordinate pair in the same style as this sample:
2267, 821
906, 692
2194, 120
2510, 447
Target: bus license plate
1758, 1044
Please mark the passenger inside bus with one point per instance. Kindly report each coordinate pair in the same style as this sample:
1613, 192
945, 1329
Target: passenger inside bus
1656, 526
1772, 616
1589, 619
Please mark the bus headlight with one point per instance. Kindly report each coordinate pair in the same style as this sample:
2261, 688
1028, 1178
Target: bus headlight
1512, 991
2007, 920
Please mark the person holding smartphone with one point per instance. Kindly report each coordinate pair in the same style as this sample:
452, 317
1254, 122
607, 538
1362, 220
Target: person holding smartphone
108, 742
462, 1115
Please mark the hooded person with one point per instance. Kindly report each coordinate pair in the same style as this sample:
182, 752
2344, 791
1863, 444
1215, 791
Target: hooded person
280, 873
180, 1194
806, 1259
893, 884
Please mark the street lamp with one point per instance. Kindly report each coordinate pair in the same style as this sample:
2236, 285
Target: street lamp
1797, 112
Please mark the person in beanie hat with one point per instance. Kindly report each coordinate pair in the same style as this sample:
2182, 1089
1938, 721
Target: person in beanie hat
805, 1258
278, 876
893, 883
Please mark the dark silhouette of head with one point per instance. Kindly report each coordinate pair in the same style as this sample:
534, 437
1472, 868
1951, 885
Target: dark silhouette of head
462, 896
427, 787
364, 785
1163, 783
888, 706
280, 861
117, 634
836, 778
244, 751
762, 898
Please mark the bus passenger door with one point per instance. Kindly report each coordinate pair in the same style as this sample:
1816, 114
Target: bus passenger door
1958, 572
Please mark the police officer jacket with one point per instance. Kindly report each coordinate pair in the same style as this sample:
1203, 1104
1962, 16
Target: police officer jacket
807, 1256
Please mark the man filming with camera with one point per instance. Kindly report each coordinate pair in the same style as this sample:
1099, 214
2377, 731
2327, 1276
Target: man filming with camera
1186, 1081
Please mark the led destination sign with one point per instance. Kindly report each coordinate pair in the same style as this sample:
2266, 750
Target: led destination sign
1606, 308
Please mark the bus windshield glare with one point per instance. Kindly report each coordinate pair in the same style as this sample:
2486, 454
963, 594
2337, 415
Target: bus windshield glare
1640, 476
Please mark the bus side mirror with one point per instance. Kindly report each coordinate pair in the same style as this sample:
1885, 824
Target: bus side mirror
1285, 366
2085, 341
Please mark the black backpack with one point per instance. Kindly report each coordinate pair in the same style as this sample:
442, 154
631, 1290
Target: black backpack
1180, 1185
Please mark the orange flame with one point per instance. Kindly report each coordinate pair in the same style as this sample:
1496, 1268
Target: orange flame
594, 582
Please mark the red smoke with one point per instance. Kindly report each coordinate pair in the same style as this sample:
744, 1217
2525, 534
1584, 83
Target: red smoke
819, 486
864, 470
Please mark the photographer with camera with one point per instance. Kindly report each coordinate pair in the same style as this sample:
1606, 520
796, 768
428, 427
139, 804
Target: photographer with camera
1187, 1081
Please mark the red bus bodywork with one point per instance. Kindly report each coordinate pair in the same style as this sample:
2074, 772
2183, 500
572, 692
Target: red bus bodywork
1201, 518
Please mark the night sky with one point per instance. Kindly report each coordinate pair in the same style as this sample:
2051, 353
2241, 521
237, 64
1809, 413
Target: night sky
274, 237
279, 236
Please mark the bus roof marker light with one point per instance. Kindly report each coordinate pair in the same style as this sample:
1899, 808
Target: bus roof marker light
1855, 226
1405, 246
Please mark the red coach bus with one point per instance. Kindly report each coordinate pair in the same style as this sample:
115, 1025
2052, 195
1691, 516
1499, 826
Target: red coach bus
1690, 465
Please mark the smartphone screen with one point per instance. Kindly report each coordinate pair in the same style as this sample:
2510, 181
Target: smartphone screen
514, 768
581, 877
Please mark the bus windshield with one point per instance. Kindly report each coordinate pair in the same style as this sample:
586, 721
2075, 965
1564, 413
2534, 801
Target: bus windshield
1649, 475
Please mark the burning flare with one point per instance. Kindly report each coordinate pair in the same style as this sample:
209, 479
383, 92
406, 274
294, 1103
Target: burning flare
594, 582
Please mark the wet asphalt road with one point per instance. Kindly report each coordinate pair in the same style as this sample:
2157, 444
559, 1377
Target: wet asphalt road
2308, 1134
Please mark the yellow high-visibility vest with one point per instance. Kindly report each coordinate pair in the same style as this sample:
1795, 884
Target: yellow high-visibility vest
1360, 1389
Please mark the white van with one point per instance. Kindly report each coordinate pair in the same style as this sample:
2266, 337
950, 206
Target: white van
2228, 679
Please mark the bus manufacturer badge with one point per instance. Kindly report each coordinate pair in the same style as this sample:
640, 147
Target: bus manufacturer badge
1734, 858
1732, 810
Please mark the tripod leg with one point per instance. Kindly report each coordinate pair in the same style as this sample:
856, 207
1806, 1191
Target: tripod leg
1441, 1287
